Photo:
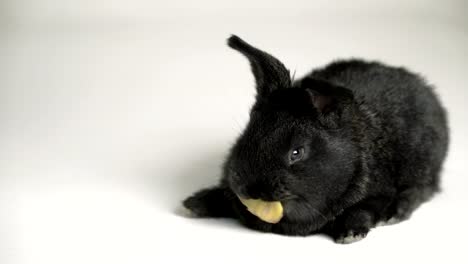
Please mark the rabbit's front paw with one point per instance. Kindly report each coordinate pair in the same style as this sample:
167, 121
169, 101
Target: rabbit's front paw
212, 202
186, 212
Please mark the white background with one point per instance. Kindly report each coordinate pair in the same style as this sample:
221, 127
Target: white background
112, 112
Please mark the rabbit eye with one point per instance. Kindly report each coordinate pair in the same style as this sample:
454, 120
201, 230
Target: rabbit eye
296, 155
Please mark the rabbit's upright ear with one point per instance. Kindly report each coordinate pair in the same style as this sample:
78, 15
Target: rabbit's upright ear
326, 97
270, 74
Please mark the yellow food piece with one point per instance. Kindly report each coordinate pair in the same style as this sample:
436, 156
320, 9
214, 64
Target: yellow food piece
270, 212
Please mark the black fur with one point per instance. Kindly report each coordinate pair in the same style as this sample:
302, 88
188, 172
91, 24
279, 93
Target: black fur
374, 140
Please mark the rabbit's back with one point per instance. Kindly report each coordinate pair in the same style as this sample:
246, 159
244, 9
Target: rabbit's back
407, 115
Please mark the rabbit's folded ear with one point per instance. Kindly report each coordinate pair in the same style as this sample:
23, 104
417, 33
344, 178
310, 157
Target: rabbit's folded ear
270, 74
325, 96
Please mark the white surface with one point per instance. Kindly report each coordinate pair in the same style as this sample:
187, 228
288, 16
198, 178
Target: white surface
112, 112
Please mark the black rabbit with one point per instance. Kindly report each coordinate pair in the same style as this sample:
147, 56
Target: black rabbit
346, 147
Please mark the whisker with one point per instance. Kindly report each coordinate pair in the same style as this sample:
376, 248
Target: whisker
293, 76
